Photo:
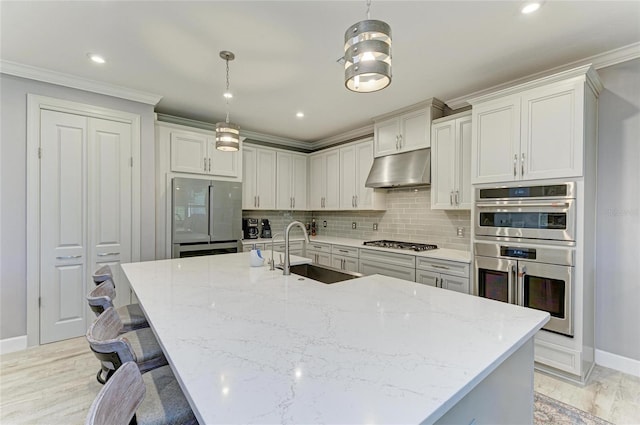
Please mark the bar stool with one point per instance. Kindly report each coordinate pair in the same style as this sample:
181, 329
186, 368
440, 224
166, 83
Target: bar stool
102, 274
101, 297
113, 347
152, 398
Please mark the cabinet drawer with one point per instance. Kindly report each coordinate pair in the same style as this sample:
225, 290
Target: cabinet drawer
388, 258
279, 246
345, 251
443, 266
369, 267
319, 247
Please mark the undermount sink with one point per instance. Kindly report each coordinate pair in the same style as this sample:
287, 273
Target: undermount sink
322, 273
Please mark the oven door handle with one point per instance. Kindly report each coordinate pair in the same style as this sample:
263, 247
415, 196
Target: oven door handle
522, 205
512, 284
520, 286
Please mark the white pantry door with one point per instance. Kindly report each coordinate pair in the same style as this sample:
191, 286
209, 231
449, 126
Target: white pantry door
85, 214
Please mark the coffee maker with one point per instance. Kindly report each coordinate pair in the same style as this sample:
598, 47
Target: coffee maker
250, 228
266, 229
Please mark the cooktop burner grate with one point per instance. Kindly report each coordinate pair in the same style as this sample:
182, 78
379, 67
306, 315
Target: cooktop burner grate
401, 245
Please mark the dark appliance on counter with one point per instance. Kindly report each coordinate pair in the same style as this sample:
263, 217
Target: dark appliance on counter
266, 229
401, 245
206, 217
250, 228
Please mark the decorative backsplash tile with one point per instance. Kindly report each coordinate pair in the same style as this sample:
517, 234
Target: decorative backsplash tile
408, 218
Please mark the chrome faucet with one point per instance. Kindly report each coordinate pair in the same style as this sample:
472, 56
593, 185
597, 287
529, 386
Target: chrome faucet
272, 262
287, 262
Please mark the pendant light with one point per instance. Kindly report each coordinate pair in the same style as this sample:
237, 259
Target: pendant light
367, 55
227, 134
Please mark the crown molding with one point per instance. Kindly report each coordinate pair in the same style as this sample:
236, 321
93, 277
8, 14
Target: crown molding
252, 135
602, 60
75, 82
344, 137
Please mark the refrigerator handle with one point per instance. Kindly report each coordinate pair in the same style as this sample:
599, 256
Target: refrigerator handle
210, 208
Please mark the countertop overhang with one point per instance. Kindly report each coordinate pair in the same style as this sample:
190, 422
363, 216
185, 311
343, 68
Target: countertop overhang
254, 346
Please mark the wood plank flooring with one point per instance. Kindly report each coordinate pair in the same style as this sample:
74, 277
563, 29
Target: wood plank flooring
55, 384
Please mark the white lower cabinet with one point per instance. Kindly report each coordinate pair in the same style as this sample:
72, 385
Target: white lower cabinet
443, 274
401, 266
345, 258
320, 253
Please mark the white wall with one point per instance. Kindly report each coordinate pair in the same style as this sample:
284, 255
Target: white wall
13, 172
618, 223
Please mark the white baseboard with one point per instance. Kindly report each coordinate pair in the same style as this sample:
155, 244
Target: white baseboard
9, 345
620, 363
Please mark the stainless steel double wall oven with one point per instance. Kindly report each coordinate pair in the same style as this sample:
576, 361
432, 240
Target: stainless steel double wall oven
525, 248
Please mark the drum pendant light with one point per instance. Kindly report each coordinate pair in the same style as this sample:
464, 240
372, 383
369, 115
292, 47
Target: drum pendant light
367, 55
227, 134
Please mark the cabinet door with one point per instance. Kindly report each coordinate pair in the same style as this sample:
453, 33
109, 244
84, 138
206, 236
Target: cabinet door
463, 163
249, 179
351, 264
332, 173
222, 163
414, 131
443, 161
386, 137
317, 181
427, 278
347, 187
299, 182
495, 146
266, 181
284, 195
552, 132
452, 283
368, 267
364, 161
188, 153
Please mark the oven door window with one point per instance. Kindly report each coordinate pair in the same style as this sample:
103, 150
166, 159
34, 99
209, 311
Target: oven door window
493, 284
524, 220
546, 294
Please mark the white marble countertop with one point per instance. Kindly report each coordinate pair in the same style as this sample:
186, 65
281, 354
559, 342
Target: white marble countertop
440, 253
250, 345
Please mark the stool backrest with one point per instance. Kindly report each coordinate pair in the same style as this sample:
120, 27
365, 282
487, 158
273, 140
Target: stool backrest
102, 274
101, 297
106, 343
119, 399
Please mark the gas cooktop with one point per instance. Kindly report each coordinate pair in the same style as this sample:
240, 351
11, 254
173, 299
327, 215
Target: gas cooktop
401, 245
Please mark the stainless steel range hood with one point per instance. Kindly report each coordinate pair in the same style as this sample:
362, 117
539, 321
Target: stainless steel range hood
402, 169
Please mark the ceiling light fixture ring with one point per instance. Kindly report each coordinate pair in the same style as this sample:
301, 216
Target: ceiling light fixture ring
227, 134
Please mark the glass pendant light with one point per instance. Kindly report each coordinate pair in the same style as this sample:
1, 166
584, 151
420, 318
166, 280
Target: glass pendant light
367, 55
227, 134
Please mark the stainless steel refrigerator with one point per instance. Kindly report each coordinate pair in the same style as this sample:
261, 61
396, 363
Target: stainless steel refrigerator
207, 217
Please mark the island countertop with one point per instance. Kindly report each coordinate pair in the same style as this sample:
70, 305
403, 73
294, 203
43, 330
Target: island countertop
250, 345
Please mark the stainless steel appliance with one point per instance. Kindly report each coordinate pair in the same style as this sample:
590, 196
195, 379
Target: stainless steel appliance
401, 170
524, 252
543, 212
401, 245
528, 275
250, 228
206, 217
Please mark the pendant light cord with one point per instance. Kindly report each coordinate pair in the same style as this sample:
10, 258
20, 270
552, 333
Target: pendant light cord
368, 9
226, 97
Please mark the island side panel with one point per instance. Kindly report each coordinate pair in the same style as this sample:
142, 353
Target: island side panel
503, 397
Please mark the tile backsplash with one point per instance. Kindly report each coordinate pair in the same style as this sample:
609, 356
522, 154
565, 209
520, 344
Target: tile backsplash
408, 218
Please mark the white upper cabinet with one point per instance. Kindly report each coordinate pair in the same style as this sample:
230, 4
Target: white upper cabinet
533, 131
194, 152
291, 181
355, 164
406, 130
324, 180
259, 179
451, 162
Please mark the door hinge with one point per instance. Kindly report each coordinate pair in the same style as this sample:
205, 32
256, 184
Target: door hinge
39, 153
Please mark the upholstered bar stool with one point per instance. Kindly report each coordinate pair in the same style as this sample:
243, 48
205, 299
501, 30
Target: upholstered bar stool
102, 274
153, 398
113, 347
101, 297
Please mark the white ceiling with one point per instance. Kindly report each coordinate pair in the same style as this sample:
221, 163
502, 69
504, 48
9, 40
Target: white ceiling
286, 52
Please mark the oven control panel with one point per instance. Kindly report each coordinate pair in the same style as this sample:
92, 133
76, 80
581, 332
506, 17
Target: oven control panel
516, 252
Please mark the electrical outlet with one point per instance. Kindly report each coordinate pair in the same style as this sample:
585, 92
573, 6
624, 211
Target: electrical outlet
375, 226
324, 223
353, 225
460, 232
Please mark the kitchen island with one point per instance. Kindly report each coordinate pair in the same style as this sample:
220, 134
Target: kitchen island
250, 345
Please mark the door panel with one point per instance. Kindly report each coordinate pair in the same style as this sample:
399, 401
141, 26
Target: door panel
63, 215
348, 177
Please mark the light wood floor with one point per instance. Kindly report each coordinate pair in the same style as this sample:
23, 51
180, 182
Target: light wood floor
55, 384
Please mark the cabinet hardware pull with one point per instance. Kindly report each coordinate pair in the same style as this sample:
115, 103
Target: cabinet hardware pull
104, 254
451, 198
515, 164
457, 197
356, 201
68, 257
400, 138
255, 201
258, 201
209, 164
343, 250
294, 202
436, 266
396, 142
205, 164
522, 165
353, 201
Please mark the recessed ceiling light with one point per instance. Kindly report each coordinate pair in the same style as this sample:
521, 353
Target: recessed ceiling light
228, 95
530, 7
300, 114
96, 58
